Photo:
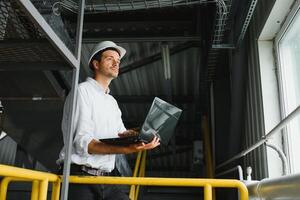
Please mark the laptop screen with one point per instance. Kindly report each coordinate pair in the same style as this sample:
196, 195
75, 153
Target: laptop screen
161, 120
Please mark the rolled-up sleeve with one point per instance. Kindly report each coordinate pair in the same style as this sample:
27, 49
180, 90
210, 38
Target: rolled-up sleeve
84, 125
120, 125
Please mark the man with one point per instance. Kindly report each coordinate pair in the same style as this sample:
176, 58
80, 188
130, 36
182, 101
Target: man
97, 115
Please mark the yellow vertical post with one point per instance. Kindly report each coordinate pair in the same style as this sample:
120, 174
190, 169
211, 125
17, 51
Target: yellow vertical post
208, 152
35, 190
43, 186
141, 173
135, 173
208, 192
244, 195
4, 185
3, 188
56, 190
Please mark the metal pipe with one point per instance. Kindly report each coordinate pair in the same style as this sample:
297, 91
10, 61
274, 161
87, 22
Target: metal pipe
240, 171
285, 187
281, 156
276, 129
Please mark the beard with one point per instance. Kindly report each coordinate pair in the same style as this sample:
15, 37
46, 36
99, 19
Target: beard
108, 72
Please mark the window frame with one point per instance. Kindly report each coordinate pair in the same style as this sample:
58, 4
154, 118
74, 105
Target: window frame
280, 81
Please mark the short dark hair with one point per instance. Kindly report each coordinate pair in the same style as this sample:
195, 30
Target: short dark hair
98, 56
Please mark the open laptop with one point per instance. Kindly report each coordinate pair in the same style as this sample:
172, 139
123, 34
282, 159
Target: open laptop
161, 121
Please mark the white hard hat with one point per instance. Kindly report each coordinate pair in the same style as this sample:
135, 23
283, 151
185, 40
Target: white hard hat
104, 45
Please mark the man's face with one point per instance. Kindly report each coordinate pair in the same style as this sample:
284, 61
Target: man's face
108, 65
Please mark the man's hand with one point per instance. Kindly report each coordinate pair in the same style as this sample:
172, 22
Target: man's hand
142, 146
97, 147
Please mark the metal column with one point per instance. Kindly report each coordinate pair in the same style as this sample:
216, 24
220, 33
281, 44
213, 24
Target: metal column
73, 60
68, 145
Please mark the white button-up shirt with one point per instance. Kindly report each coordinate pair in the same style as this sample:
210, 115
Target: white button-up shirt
97, 116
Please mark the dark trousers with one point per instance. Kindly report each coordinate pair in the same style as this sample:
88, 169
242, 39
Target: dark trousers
96, 192
93, 191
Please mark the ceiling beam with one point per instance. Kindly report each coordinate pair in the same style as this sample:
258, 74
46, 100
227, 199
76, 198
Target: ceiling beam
156, 57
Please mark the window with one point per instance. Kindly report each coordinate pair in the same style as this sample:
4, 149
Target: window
288, 53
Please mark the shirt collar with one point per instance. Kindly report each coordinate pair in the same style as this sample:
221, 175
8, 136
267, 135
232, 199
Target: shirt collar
97, 85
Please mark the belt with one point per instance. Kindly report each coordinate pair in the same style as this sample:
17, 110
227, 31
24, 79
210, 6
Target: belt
75, 169
94, 172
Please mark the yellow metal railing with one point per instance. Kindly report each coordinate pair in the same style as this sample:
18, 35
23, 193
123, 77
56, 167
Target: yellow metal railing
208, 184
41, 179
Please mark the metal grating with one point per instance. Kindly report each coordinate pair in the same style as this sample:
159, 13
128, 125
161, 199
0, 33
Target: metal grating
22, 41
14, 24
28, 52
126, 5
222, 12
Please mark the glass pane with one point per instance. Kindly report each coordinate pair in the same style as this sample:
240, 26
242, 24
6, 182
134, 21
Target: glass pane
58, 15
289, 49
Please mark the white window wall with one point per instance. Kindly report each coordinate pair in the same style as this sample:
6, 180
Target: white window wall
288, 58
270, 81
